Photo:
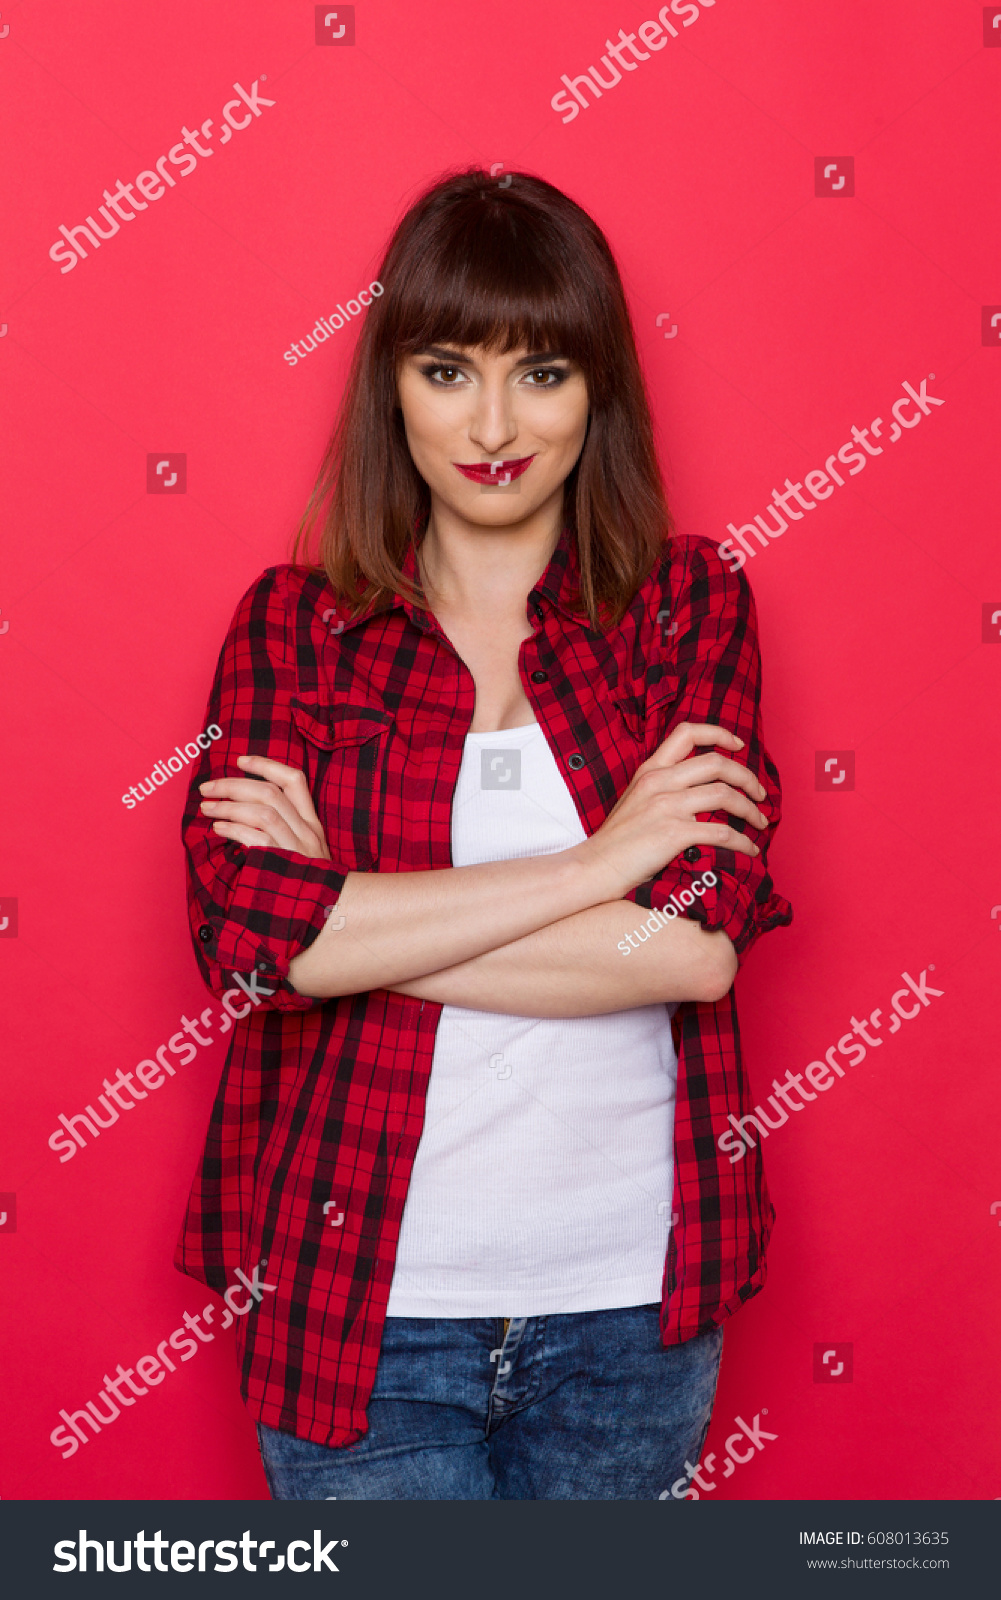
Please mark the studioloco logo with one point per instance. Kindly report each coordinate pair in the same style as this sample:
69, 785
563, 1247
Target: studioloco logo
675, 907
324, 327
164, 770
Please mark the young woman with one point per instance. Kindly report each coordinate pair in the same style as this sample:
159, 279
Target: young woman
468, 1185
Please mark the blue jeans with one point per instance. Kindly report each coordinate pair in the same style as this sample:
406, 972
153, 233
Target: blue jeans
581, 1406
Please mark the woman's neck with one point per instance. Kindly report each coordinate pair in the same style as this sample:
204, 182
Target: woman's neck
476, 570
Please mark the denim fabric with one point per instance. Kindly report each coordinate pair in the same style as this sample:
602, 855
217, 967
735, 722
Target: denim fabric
581, 1406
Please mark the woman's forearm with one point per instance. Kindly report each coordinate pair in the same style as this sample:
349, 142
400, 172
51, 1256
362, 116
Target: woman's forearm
575, 968
390, 927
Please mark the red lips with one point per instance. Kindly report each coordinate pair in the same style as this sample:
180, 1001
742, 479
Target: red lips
495, 472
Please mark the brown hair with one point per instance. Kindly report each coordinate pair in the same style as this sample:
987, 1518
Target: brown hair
501, 263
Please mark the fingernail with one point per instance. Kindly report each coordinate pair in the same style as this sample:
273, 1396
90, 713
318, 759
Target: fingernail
739, 741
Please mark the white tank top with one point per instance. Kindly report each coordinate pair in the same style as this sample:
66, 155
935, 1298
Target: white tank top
543, 1178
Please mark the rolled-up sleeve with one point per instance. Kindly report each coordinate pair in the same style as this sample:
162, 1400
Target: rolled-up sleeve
252, 909
705, 666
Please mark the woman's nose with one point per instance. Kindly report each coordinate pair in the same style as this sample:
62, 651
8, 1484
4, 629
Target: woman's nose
493, 424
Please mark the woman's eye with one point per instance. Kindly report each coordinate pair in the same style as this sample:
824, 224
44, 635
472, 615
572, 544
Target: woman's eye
444, 376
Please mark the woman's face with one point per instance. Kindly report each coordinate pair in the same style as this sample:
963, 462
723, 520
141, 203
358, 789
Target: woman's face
516, 424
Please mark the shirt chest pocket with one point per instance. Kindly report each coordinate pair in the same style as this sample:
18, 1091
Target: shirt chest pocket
346, 748
632, 730
644, 718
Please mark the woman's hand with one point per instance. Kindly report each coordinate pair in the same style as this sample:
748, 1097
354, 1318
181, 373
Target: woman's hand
654, 818
278, 812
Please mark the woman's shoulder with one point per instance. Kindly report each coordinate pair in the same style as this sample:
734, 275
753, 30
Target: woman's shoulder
289, 610
286, 589
690, 559
691, 604
291, 580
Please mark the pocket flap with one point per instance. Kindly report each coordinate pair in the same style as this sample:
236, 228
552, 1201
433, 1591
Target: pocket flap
632, 709
332, 727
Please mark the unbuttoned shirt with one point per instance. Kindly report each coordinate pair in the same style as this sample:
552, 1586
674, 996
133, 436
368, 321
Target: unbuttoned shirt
319, 1110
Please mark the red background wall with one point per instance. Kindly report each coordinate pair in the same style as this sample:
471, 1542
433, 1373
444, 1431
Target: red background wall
796, 317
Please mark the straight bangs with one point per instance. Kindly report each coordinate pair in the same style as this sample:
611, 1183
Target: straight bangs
492, 278
506, 264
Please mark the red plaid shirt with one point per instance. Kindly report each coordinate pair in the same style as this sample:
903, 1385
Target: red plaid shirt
323, 1100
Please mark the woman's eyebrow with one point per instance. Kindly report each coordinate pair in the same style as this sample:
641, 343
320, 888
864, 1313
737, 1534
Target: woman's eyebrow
441, 352
541, 355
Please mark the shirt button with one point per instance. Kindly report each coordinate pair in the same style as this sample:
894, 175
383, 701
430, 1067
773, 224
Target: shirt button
692, 853
538, 612
540, 677
576, 761
205, 933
